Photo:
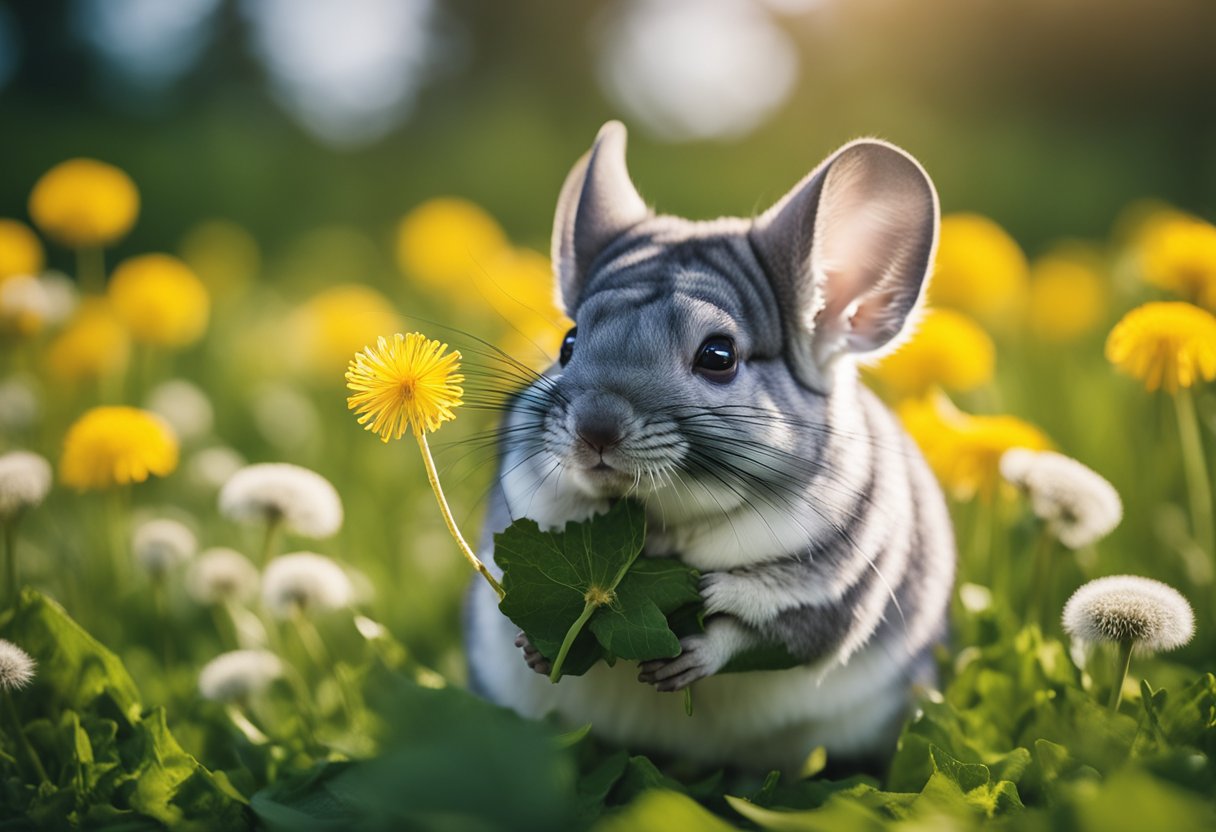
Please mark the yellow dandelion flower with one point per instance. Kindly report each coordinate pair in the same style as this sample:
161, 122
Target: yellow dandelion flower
963, 449
1068, 294
110, 446
160, 300
979, 269
94, 344
1165, 345
224, 255
408, 381
446, 242
337, 322
947, 350
84, 203
1177, 252
411, 381
20, 250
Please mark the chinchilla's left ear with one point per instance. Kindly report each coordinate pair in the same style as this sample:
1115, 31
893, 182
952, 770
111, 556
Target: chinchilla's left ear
848, 251
598, 203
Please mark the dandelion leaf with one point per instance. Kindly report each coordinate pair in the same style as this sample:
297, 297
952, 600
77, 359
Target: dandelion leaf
549, 577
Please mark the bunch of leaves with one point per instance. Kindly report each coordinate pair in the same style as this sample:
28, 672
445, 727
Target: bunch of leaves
109, 762
584, 594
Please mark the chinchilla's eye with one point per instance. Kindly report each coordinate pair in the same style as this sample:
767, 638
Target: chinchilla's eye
716, 359
567, 346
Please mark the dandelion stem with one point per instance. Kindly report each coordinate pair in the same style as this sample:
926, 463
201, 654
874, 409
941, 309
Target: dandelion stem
314, 645
10, 561
270, 542
115, 515
246, 726
433, 476
577, 627
161, 599
1125, 662
1040, 584
11, 708
91, 270
1195, 465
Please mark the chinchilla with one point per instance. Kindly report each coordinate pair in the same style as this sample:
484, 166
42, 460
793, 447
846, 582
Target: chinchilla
712, 375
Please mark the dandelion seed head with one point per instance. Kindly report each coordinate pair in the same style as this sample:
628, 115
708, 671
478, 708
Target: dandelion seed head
25, 306
16, 667
211, 467
303, 500
161, 545
221, 574
1078, 505
404, 382
184, 406
305, 580
1152, 615
25, 479
239, 675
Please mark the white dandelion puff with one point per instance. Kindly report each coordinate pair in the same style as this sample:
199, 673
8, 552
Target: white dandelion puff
24, 304
239, 675
25, 479
16, 667
1078, 505
211, 467
272, 492
184, 406
162, 544
221, 574
305, 581
1150, 615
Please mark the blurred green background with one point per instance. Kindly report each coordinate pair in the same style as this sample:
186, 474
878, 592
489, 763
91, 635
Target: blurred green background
1048, 116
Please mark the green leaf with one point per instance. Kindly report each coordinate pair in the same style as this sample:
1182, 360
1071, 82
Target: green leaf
838, 813
551, 579
956, 786
661, 811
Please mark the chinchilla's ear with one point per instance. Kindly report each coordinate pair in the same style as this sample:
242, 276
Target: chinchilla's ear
848, 250
598, 203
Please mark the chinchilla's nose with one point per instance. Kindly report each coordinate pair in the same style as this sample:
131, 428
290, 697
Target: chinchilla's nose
600, 419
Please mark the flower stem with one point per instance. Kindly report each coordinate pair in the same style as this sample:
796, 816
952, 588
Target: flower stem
160, 597
1125, 661
577, 627
1040, 583
1195, 465
22, 739
91, 270
246, 726
270, 542
433, 476
10, 561
314, 645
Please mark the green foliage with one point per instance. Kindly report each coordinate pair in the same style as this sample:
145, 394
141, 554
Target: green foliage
553, 578
110, 763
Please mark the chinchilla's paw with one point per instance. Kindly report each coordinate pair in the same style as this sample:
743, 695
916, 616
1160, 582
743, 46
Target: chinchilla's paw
532, 656
699, 657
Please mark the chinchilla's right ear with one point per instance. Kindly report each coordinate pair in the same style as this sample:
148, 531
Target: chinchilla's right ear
598, 203
848, 251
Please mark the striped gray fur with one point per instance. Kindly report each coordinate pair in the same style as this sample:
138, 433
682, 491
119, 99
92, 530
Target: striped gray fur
811, 515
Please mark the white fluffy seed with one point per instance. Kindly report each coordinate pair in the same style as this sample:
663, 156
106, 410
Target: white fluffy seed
16, 666
1078, 505
1152, 615
25, 479
184, 406
303, 500
221, 574
239, 675
160, 545
305, 580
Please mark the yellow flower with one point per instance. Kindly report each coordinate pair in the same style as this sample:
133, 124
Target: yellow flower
965, 450
84, 203
93, 345
224, 256
337, 322
1068, 294
110, 446
20, 250
948, 350
160, 300
1177, 252
1168, 345
447, 242
408, 381
979, 269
